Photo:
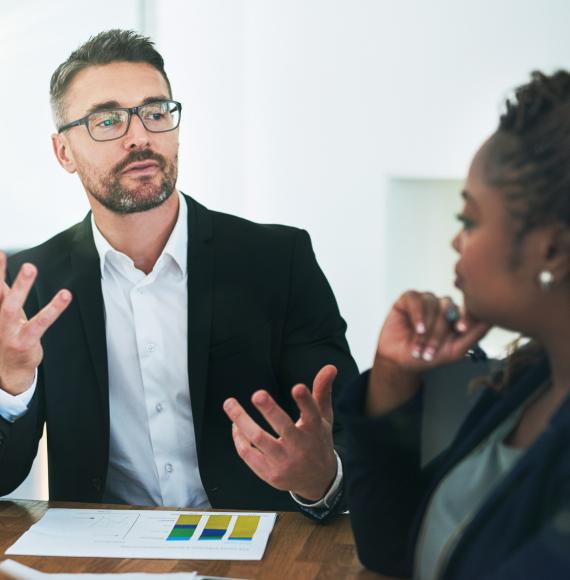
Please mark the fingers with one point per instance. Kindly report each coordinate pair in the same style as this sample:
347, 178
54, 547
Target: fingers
310, 413
249, 428
14, 300
252, 456
474, 333
423, 311
280, 422
322, 391
413, 305
437, 324
439, 329
36, 327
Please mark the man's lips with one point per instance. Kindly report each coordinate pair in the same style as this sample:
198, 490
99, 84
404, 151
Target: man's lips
139, 168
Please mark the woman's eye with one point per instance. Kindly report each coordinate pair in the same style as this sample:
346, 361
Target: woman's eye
466, 223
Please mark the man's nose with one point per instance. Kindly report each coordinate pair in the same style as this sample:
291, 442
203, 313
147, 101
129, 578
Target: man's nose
137, 137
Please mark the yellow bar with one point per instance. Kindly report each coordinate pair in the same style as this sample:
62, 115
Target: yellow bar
245, 527
188, 520
218, 522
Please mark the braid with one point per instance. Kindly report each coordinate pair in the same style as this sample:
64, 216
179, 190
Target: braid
529, 163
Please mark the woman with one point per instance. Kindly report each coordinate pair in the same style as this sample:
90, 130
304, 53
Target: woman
496, 503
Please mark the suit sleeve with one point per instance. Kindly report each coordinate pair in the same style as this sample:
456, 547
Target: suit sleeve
384, 479
314, 333
19, 439
19, 443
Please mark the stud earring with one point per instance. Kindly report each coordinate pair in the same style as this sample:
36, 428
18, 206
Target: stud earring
545, 280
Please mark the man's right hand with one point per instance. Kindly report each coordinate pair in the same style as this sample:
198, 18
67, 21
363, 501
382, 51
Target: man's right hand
20, 339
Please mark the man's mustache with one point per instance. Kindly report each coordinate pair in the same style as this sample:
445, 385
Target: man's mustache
135, 156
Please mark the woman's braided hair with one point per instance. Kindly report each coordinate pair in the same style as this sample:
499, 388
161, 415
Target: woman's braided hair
529, 162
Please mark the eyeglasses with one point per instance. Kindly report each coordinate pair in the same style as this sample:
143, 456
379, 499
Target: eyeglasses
110, 124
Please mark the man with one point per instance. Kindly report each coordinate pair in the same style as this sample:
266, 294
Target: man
129, 333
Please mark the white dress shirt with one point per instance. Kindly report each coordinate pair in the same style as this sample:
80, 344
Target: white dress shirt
152, 452
152, 447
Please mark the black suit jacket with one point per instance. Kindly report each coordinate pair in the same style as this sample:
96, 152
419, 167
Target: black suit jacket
260, 315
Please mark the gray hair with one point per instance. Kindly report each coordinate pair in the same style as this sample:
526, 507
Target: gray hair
103, 48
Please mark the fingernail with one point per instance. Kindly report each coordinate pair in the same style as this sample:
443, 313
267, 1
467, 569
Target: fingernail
461, 326
416, 353
420, 328
65, 296
28, 270
428, 354
261, 399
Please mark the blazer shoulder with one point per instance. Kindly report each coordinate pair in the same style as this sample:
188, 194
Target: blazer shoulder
230, 225
48, 253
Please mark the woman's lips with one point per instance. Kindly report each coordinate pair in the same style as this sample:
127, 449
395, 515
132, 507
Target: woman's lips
458, 282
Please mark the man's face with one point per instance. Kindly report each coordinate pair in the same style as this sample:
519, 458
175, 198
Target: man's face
136, 172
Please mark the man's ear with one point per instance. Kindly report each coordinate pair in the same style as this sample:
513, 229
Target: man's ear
556, 252
63, 152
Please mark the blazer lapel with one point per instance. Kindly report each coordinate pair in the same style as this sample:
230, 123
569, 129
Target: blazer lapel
514, 397
88, 294
200, 286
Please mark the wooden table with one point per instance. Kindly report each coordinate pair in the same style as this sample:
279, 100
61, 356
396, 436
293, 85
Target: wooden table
298, 548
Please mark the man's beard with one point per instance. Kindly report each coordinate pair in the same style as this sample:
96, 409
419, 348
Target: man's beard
144, 196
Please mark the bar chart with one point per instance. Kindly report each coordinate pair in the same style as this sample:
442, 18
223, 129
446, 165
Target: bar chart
215, 528
108, 533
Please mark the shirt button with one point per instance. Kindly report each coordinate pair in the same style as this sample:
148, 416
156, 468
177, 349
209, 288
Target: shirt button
159, 408
150, 347
168, 468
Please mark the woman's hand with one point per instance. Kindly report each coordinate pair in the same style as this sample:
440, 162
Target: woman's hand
416, 337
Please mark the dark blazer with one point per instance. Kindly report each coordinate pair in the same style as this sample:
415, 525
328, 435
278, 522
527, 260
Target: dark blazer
260, 315
521, 531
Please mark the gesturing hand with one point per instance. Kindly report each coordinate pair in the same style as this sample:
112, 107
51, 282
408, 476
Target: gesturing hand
20, 347
301, 458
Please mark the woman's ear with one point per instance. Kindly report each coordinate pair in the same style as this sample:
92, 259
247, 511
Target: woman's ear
63, 152
556, 252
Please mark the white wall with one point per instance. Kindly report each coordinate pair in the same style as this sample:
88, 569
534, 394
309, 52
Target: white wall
37, 198
303, 111
340, 116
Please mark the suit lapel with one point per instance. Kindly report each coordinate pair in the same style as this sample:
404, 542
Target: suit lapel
200, 286
88, 294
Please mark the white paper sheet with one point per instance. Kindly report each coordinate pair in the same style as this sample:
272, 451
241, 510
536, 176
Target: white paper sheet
18, 571
147, 534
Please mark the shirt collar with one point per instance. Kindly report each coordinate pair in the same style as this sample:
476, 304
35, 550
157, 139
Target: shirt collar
176, 247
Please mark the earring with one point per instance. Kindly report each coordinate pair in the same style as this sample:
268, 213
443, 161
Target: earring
545, 280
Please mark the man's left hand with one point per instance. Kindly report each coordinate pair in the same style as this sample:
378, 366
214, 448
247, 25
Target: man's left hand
301, 458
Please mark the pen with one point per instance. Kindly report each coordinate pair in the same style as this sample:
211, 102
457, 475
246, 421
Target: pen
452, 315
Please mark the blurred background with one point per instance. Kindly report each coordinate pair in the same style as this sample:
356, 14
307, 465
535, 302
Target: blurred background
354, 119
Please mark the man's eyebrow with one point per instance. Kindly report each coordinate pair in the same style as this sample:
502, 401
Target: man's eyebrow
102, 106
105, 105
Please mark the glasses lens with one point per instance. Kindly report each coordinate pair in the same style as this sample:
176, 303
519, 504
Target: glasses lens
160, 116
105, 125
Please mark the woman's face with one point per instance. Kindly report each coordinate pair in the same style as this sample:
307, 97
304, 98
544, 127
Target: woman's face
496, 273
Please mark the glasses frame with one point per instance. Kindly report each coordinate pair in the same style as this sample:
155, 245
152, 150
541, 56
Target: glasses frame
131, 111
